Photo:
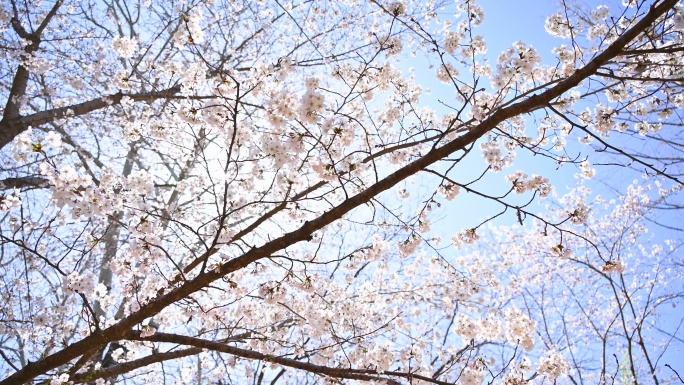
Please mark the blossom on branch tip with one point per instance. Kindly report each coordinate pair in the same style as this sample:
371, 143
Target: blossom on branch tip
125, 47
397, 8
147, 331
10, 202
557, 25
561, 251
520, 329
553, 365
613, 267
579, 215
62, 379
587, 171
449, 191
272, 292
446, 72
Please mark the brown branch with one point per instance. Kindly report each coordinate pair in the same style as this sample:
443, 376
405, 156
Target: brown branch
640, 79
126, 367
653, 50
9, 362
675, 372
21, 77
12, 126
48, 18
354, 374
24, 182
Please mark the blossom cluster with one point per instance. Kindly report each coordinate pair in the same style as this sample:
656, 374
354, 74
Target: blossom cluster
311, 105
468, 236
452, 41
447, 72
409, 246
191, 30
449, 191
10, 201
125, 47
553, 365
613, 267
272, 292
561, 251
279, 107
397, 8
491, 151
515, 65
520, 329
522, 183
580, 214
79, 283
487, 329
587, 171
603, 119
558, 25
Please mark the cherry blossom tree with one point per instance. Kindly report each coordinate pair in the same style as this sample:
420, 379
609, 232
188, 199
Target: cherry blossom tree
230, 191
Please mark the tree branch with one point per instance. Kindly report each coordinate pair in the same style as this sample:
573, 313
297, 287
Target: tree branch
12, 126
21, 77
354, 374
126, 367
24, 182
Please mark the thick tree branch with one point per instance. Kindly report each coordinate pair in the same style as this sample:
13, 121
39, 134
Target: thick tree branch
24, 182
354, 374
126, 367
12, 126
20, 81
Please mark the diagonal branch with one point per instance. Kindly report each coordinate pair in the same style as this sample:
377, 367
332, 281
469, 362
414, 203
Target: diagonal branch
349, 373
12, 126
21, 77
126, 367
